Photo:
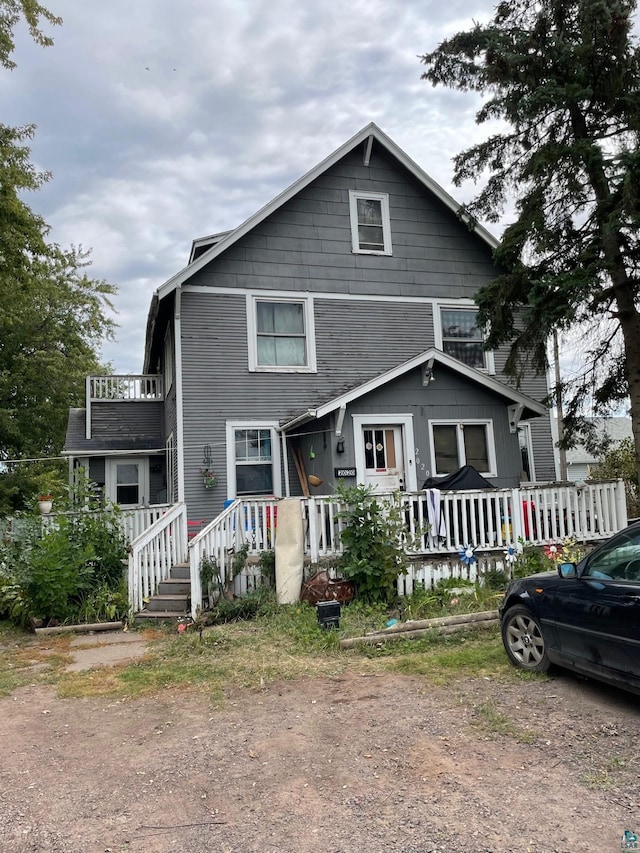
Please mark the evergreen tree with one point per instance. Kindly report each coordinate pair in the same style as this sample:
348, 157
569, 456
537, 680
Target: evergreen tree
562, 77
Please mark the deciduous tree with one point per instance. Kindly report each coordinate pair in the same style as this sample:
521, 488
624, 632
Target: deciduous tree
53, 317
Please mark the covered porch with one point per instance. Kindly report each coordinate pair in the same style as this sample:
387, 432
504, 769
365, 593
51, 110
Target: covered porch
438, 525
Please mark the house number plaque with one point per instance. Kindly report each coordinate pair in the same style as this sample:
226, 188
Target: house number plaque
344, 472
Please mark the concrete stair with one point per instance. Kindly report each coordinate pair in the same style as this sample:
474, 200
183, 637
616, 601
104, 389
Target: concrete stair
172, 600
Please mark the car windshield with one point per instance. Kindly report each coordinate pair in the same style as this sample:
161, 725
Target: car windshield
618, 560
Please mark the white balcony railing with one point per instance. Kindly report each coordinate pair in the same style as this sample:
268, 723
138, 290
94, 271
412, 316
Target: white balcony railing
112, 388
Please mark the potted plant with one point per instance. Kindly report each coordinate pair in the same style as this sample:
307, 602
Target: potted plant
45, 503
209, 478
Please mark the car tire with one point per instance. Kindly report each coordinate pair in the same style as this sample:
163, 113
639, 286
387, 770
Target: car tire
524, 641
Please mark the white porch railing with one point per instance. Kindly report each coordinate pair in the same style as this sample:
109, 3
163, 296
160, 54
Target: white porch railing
250, 522
488, 520
136, 521
154, 551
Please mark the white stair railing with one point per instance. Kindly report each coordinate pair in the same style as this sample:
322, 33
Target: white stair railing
154, 552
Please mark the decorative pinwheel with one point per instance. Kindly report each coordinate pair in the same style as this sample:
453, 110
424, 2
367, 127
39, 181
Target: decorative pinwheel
466, 555
511, 554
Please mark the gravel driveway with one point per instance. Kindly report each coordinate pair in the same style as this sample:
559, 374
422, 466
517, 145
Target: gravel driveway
369, 764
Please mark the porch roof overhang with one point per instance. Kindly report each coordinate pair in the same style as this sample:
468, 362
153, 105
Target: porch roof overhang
526, 406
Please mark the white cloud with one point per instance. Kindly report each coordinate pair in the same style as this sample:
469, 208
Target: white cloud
165, 121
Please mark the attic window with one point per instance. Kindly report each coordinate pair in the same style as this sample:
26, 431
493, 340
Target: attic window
370, 223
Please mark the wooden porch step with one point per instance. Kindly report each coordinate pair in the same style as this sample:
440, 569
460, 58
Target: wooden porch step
158, 616
174, 586
174, 603
181, 571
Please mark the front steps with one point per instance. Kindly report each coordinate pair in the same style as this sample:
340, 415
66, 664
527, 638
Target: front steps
172, 600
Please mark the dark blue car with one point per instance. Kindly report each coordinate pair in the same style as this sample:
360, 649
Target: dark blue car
584, 617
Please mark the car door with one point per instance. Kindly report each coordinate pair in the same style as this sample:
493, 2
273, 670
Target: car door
597, 613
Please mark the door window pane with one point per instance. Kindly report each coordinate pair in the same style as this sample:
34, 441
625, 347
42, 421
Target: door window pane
127, 483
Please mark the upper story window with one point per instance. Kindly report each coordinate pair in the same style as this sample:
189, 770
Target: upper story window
460, 337
370, 224
281, 334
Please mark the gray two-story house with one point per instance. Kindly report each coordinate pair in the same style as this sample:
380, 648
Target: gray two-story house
331, 336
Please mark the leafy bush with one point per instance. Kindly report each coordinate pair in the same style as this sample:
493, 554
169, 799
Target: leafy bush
619, 462
372, 538
67, 569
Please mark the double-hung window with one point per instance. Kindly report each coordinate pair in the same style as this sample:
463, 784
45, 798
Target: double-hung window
281, 334
253, 459
461, 337
455, 443
370, 223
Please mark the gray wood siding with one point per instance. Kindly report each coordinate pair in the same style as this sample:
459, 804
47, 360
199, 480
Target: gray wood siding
449, 397
127, 425
304, 248
306, 244
354, 342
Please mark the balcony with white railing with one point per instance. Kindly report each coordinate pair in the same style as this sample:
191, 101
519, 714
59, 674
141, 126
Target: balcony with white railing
119, 388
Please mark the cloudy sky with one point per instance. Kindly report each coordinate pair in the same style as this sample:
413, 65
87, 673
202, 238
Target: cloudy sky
165, 121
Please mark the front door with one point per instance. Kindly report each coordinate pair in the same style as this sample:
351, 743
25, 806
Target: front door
383, 457
127, 481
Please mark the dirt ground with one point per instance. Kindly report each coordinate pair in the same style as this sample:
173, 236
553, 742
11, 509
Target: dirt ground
369, 764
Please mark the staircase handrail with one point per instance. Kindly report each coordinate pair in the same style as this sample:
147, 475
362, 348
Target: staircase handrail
154, 551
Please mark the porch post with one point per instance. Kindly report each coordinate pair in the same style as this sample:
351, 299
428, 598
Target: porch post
517, 527
621, 505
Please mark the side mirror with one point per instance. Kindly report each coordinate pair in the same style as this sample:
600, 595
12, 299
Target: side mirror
567, 570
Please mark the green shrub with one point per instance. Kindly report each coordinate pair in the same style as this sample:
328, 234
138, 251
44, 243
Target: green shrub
373, 537
65, 569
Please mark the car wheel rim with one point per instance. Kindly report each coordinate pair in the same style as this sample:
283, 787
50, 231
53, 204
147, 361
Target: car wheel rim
525, 641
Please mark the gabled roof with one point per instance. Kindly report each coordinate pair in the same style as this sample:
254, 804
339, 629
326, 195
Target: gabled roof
370, 132
530, 407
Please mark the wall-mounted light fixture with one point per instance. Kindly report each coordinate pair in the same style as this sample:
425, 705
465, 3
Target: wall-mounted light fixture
340, 445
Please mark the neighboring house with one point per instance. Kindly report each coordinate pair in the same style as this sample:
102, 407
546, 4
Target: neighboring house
333, 335
580, 460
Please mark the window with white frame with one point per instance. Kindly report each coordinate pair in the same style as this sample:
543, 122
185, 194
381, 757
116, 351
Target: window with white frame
281, 334
253, 459
127, 480
370, 223
458, 335
456, 443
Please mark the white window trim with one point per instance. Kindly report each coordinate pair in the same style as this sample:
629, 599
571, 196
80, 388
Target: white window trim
406, 422
231, 427
167, 367
354, 195
491, 444
110, 483
170, 467
461, 305
252, 333
525, 426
